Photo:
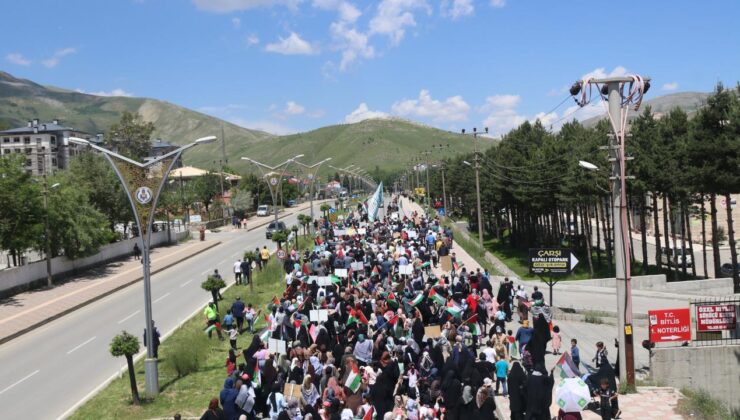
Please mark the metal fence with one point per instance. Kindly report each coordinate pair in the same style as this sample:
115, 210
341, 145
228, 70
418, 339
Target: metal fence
714, 321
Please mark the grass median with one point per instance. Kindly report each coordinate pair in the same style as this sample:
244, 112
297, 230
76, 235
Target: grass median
190, 393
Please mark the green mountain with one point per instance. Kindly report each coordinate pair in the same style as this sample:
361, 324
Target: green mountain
689, 102
389, 144
22, 100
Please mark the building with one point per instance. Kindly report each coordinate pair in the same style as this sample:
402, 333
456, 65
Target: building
160, 148
45, 145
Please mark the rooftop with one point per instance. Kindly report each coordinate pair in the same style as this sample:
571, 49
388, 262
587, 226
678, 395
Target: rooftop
35, 126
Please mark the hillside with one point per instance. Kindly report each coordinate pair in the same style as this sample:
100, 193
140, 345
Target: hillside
389, 144
21, 100
690, 102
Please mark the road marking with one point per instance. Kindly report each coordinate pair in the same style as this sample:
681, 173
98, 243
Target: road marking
224, 261
162, 297
128, 317
11, 386
205, 272
186, 283
78, 347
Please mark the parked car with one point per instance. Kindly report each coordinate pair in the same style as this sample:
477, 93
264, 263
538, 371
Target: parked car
726, 269
291, 203
263, 210
666, 257
275, 227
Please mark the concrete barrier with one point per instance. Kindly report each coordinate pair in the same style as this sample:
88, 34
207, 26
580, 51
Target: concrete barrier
24, 277
659, 283
714, 369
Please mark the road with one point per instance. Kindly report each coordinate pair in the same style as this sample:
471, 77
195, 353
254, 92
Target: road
45, 372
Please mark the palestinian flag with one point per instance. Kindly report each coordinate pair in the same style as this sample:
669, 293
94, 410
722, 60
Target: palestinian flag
354, 379
474, 330
417, 300
375, 271
456, 266
360, 316
275, 300
352, 318
265, 335
369, 414
391, 298
256, 376
268, 322
454, 310
393, 321
436, 297
568, 369
334, 279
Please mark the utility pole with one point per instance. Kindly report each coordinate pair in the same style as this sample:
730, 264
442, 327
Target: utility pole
311, 173
426, 169
47, 238
476, 166
442, 147
618, 106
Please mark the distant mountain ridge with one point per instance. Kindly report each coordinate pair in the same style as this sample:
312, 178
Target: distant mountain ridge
689, 102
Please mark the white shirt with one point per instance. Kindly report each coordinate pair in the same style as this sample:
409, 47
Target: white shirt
238, 267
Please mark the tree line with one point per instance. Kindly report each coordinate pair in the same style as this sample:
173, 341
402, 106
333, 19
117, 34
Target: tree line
534, 193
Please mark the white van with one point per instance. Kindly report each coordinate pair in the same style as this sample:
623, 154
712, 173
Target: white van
263, 210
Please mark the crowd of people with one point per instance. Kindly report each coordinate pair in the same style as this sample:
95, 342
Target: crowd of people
364, 329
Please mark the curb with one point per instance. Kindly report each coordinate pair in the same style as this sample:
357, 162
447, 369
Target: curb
98, 297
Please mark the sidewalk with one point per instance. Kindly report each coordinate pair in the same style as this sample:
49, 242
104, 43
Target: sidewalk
25, 311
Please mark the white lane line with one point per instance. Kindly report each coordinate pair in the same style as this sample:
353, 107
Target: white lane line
128, 317
205, 272
11, 386
78, 347
224, 261
161, 297
186, 283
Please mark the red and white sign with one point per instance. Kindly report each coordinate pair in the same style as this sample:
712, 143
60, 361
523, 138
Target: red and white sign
715, 317
281, 254
670, 325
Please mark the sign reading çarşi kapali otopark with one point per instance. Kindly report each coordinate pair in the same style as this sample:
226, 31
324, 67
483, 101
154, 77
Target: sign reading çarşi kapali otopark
551, 261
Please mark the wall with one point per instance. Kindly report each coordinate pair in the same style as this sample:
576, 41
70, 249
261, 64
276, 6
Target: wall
715, 369
657, 282
23, 277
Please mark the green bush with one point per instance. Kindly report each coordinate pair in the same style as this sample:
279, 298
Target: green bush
250, 256
186, 353
213, 283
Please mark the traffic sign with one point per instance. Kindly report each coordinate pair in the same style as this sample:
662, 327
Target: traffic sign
281, 254
715, 317
667, 325
551, 261
332, 210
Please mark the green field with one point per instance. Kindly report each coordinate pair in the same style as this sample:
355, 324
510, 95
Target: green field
188, 395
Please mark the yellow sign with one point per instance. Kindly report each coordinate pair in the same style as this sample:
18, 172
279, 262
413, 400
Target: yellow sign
628, 329
420, 190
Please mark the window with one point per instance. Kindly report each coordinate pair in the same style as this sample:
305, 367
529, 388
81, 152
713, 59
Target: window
26, 140
17, 150
6, 151
53, 161
28, 162
53, 139
6, 139
16, 139
38, 140
29, 150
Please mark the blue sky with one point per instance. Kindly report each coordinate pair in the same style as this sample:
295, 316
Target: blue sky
294, 65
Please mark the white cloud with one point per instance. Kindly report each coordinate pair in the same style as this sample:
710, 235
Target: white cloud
293, 108
264, 125
114, 92
501, 101
347, 11
668, 87
498, 3
457, 8
236, 22
52, 61
353, 44
292, 45
363, 113
226, 6
18, 59
394, 16
252, 40
453, 108
601, 73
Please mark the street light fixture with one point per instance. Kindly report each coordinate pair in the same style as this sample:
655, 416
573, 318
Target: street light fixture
476, 166
274, 182
143, 183
587, 165
312, 170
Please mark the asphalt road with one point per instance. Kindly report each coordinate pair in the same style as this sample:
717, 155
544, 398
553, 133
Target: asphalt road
47, 371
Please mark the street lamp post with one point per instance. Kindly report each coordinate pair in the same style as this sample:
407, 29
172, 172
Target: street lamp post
312, 171
476, 160
274, 181
143, 183
47, 233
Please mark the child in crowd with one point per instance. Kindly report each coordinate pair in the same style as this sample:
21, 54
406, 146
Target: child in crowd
575, 354
608, 403
233, 334
555, 340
